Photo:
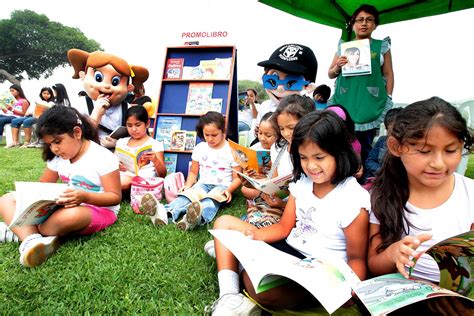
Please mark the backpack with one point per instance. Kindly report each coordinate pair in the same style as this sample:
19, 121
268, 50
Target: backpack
173, 184
142, 187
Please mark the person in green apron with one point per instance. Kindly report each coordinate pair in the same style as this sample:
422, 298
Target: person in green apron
366, 97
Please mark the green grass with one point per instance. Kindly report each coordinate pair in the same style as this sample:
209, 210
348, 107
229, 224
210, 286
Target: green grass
131, 267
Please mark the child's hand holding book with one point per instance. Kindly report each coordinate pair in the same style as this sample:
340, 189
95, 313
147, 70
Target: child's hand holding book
71, 198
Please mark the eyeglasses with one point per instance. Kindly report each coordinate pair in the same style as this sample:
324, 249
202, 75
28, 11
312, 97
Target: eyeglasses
290, 83
368, 19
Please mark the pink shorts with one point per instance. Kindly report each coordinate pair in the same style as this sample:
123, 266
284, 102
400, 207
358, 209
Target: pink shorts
101, 218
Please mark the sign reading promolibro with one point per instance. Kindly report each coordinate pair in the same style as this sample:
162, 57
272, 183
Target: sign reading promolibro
204, 34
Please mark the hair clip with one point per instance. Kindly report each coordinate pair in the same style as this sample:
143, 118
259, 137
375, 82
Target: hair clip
78, 121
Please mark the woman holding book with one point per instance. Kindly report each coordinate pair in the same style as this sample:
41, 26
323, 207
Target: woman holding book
18, 109
366, 97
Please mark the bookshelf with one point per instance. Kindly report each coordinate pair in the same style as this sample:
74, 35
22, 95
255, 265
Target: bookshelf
173, 96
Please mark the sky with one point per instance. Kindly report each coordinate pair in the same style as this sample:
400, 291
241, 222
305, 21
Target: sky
431, 56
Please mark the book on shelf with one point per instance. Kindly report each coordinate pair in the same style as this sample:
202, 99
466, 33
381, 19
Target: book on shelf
170, 162
119, 132
209, 68
174, 68
40, 107
358, 58
199, 97
165, 126
250, 159
190, 140
215, 105
134, 160
6, 100
223, 68
192, 72
268, 267
35, 202
178, 140
277, 185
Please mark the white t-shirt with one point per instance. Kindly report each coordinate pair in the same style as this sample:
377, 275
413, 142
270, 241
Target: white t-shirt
285, 166
111, 119
320, 222
264, 108
453, 217
147, 171
215, 165
85, 173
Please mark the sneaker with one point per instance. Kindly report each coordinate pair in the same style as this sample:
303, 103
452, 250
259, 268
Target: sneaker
32, 145
36, 249
6, 235
210, 249
192, 218
150, 206
233, 305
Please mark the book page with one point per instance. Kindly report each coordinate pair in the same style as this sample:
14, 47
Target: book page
127, 158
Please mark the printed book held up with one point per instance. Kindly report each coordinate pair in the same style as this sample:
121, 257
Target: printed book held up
268, 268
250, 159
165, 127
277, 185
133, 161
174, 68
199, 97
6, 99
35, 202
358, 58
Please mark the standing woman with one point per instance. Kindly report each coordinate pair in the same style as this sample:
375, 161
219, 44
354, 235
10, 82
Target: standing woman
60, 93
16, 110
366, 97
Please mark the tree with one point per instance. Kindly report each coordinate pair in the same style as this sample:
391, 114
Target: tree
246, 84
33, 44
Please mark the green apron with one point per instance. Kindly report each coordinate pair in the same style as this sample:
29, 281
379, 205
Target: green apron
364, 96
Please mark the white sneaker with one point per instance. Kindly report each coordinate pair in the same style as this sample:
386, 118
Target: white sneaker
160, 217
36, 249
210, 249
6, 235
192, 218
233, 305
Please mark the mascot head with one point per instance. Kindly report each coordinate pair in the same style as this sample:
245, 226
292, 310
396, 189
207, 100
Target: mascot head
106, 75
291, 69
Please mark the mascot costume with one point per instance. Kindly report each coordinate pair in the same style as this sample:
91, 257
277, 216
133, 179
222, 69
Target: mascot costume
291, 69
106, 80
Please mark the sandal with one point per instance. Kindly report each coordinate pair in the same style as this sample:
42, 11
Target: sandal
25, 145
12, 144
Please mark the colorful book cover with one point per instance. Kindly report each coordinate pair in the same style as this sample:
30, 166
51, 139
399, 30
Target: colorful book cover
209, 68
242, 100
170, 162
358, 58
223, 68
165, 127
250, 159
133, 161
178, 140
199, 97
6, 99
174, 68
190, 141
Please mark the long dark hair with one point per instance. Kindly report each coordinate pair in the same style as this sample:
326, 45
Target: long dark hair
329, 132
391, 190
140, 113
61, 95
295, 105
19, 89
50, 93
62, 120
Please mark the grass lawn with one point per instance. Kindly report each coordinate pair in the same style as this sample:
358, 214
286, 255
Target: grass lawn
131, 267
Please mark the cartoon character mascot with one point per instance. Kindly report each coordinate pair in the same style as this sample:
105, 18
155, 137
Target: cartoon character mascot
106, 80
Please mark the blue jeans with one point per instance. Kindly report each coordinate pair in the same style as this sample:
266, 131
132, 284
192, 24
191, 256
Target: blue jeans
209, 207
5, 119
27, 121
243, 127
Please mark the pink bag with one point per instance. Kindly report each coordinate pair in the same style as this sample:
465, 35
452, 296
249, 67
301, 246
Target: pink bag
173, 184
141, 186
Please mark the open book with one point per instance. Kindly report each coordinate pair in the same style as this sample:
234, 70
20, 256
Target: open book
133, 161
250, 159
35, 202
331, 281
277, 185
6, 99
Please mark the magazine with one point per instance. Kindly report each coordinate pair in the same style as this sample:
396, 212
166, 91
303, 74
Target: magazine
35, 202
165, 127
250, 159
6, 99
170, 162
277, 185
133, 161
358, 58
268, 268
119, 132
174, 68
199, 97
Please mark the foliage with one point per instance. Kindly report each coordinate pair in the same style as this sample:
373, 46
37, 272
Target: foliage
36, 45
246, 84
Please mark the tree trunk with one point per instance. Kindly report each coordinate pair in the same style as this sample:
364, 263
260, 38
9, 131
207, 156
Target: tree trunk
9, 77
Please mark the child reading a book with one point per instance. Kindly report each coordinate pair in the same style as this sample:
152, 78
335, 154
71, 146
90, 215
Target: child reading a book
10, 112
417, 199
151, 163
325, 217
90, 204
213, 163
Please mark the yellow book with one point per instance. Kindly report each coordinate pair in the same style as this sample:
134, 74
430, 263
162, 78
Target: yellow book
133, 161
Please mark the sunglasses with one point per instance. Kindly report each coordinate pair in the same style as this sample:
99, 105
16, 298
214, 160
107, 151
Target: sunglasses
290, 83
